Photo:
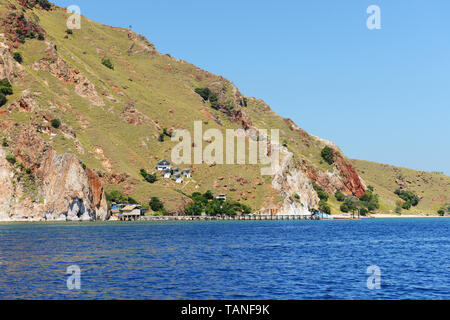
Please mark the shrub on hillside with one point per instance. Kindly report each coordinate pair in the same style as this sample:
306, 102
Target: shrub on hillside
408, 196
107, 63
441, 212
6, 87
56, 123
339, 196
324, 207
117, 196
45, 4
204, 93
328, 155
11, 159
150, 178
18, 57
69, 31
2, 99
209, 195
320, 192
156, 204
208, 95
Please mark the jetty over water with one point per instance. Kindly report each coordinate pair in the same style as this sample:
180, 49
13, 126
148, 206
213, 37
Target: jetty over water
231, 218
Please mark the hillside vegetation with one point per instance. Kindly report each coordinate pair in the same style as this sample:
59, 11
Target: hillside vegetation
433, 189
106, 95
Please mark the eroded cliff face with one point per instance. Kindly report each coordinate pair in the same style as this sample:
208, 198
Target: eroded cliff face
291, 181
44, 186
343, 178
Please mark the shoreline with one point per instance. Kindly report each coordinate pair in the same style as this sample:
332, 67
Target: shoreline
209, 219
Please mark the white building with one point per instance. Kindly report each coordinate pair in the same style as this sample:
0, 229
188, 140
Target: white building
167, 174
186, 173
163, 165
222, 197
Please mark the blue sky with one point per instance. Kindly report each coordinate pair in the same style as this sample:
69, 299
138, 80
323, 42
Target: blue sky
381, 95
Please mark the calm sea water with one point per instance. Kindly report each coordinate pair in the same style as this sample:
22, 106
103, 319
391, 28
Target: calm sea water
227, 260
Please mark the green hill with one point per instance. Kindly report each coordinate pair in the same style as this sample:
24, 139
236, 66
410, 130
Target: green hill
114, 94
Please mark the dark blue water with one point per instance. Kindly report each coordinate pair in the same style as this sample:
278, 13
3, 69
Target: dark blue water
227, 260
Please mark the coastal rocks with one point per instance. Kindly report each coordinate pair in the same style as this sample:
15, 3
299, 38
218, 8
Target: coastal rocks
52, 188
56, 66
289, 180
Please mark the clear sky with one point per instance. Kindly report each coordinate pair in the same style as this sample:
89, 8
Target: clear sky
381, 95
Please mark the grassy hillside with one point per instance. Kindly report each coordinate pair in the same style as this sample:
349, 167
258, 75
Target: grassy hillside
112, 118
433, 188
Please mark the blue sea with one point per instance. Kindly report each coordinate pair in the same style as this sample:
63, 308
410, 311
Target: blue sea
227, 260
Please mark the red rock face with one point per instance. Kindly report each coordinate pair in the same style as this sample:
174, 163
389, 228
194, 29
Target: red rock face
350, 179
347, 181
96, 187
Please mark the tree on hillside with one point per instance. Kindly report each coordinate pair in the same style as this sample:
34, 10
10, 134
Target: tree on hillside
411, 199
156, 204
339, 196
150, 178
328, 155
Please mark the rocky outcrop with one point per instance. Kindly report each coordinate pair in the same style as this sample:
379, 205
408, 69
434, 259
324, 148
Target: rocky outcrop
343, 178
54, 64
290, 180
46, 186
9, 68
132, 116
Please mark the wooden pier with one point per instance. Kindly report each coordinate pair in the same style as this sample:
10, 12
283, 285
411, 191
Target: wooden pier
230, 218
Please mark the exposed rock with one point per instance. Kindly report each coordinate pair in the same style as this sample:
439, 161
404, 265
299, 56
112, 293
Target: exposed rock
26, 103
54, 64
9, 68
132, 116
344, 178
289, 180
62, 188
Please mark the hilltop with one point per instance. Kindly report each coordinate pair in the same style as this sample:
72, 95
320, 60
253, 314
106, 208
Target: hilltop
101, 102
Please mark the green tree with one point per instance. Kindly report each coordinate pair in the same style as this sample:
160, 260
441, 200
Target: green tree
18, 57
324, 207
11, 159
339, 196
406, 205
2, 99
150, 178
408, 196
56, 123
194, 209
363, 211
320, 192
69, 31
441, 212
119, 197
107, 63
156, 204
345, 208
328, 155
205, 93
209, 195
6, 87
